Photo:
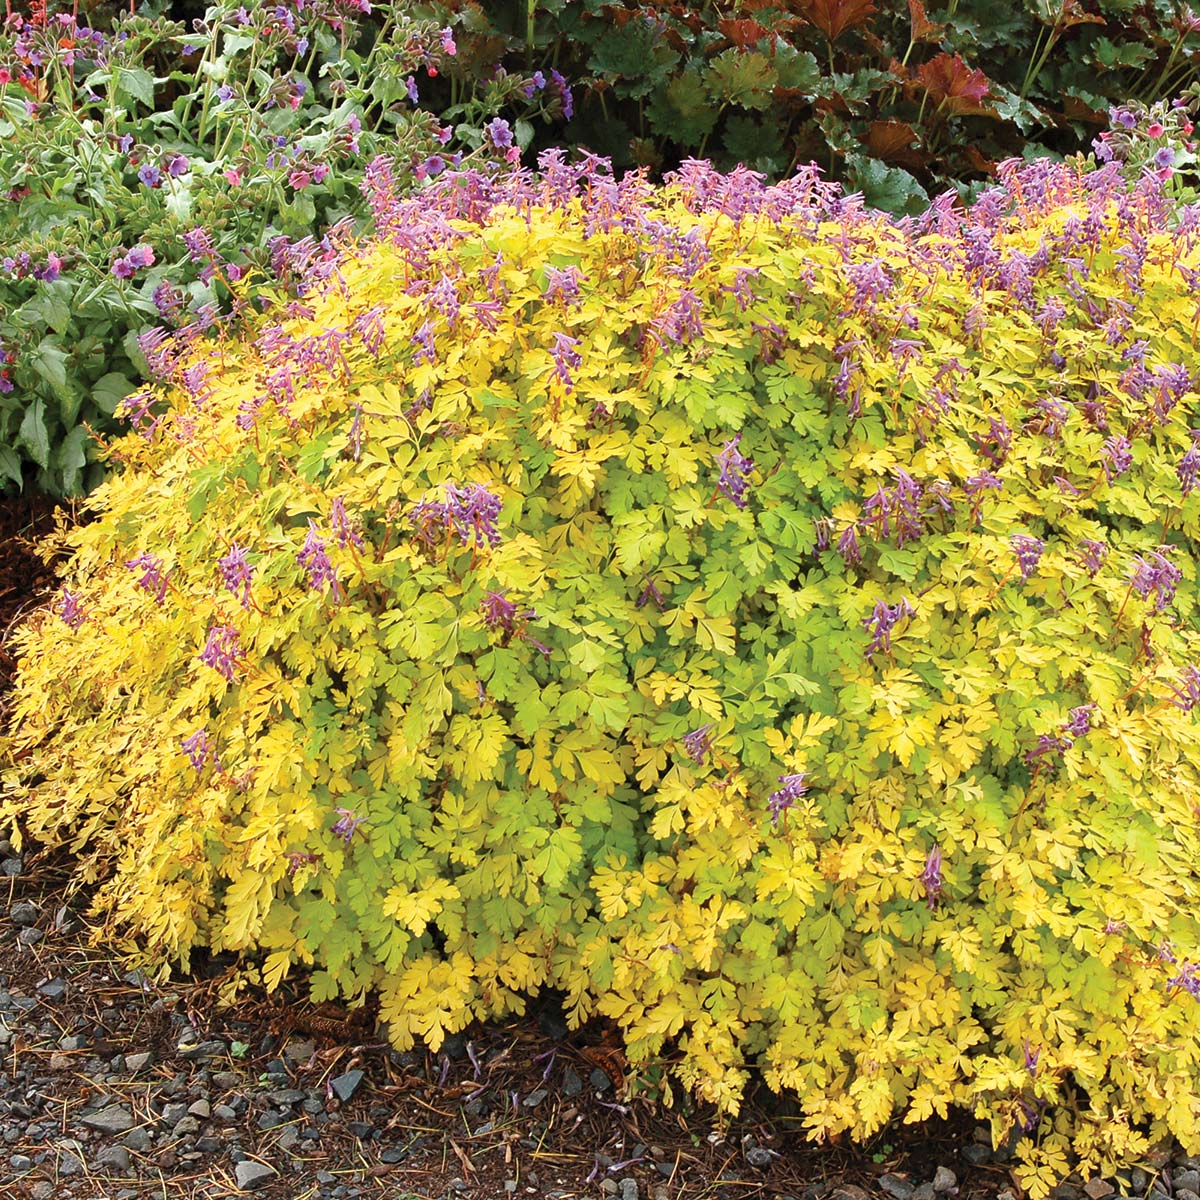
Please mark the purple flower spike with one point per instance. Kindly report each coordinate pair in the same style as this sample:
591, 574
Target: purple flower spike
346, 824
1029, 551
153, 577
470, 511
1118, 457
315, 561
566, 359
1079, 721
734, 469
343, 531
883, 619
698, 743
1187, 695
236, 573
1189, 468
848, 547
1091, 555
1157, 576
931, 878
221, 650
780, 801
69, 610
1188, 980
200, 749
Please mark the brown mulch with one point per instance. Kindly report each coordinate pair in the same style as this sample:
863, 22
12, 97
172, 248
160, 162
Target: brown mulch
521, 1108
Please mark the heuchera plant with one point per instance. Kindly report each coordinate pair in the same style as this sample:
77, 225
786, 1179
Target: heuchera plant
768, 622
150, 168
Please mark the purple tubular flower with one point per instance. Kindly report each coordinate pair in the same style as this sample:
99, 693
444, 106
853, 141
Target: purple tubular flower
221, 650
1118, 457
346, 824
339, 522
1079, 721
698, 743
563, 285
498, 611
1029, 551
883, 619
780, 801
1187, 695
734, 469
566, 359
1157, 575
1091, 555
931, 878
236, 573
847, 546
1189, 468
153, 578
1188, 980
200, 749
471, 511
315, 561
1048, 745
69, 610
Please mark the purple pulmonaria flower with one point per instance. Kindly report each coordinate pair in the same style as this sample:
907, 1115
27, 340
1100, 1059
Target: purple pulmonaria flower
1164, 157
1029, 551
780, 801
1118, 455
1157, 575
847, 546
734, 469
69, 609
499, 133
883, 619
1091, 555
339, 522
346, 824
1187, 695
177, 165
1189, 466
221, 650
698, 743
224, 92
410, 86
236, 573
1188, 980
200, 749
149, 175
313, 558
153, 578
447, 39
931, 878
566, 358
1122, 118
125, 143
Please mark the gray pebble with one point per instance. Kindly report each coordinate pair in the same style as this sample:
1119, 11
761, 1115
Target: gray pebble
75, 1042
21, 1162
138, 1062
976, 1154
1139, 1179
29, 937
298, 1052
114, 1158
346, 1085
535, 1098
759, 1156
54, 989
174, 1112
393, 1154
251, 1175
284, 1097
209, 1049
186, 1126
200, 1108
572, 1085
896, 1187
609, 1187
226, 1079
1187, 1181
923, 1191
599, 1080
944, 1179
23, 913
225, 1112
113, 1119
10, 868
42, 1190
138, 1140
665, 1169
629, 1189
1185, 1193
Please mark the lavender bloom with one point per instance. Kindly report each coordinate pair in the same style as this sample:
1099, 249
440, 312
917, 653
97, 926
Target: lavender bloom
882, 621
698, 743
996, 443
1031, 1058
315, 561
339, 522
221, 650
1189, 468
498, 612
200, 749
563, 285
1159, 576
1029, 552
681, 322
734, 469
1118, 452
346, 824
499, 133
1048, 745
780, 801
423, 338
149, 175
566, 359
985, 481
1187, 698
471, 511
69, 610
847, 547
650, 592
1187, 980
1079, 721
153, 579
1091, 555
931, 878
870, 281
236, 573
1065, 486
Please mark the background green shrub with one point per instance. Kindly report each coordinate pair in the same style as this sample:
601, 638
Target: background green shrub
897, 99
770, 624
